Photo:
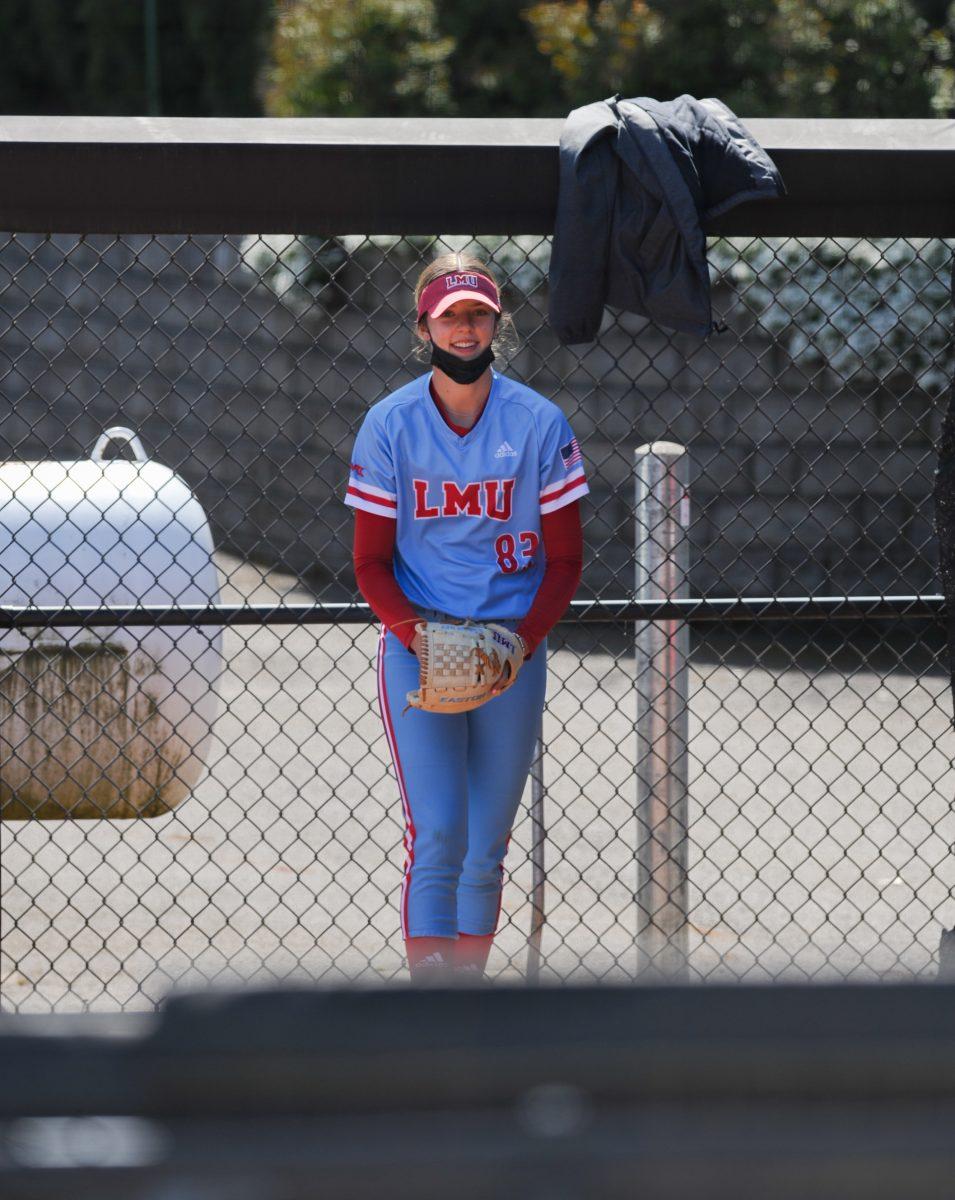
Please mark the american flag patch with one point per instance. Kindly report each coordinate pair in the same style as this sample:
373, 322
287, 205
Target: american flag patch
570, 454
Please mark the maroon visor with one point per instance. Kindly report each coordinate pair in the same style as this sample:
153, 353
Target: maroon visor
444, 291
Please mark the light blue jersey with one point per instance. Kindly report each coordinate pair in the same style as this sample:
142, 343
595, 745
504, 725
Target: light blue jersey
468, 541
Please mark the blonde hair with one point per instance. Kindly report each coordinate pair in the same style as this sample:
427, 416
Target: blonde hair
505, 340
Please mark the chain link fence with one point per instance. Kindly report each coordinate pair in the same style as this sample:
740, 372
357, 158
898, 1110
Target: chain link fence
820, 832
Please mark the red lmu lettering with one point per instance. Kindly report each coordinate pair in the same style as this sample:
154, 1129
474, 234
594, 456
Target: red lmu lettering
421, 509
465, 499
493, 498
498, 512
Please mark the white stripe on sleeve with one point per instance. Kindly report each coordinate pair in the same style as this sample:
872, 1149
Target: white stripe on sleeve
368, 505
554, 488
380, 493
576, 491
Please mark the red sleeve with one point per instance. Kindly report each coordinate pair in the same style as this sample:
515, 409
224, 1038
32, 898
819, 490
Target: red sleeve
373, 557
564, 551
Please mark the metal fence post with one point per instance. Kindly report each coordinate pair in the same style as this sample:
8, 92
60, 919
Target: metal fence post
662, 649
538, 839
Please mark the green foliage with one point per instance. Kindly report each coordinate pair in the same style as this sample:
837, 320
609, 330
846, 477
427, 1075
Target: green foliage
871, 58
495, 67
858, 58
409, 58
88, 56
499, 58
222, 50
377, 58
38, 56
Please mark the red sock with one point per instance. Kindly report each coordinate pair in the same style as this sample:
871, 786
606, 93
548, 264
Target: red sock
428, 956
471, 951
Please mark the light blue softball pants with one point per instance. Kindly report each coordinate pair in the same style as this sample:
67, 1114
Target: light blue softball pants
461, 777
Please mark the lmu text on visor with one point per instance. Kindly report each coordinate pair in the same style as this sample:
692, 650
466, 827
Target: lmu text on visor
446, 290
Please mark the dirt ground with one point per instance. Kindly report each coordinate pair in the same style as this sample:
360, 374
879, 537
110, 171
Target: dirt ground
821, 833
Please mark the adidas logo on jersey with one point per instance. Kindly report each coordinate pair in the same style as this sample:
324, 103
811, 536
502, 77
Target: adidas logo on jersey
505, 450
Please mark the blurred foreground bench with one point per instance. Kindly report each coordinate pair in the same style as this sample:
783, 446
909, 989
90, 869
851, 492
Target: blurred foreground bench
577, 1092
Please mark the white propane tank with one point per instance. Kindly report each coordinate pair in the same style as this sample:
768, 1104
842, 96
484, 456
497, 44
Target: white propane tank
103, 722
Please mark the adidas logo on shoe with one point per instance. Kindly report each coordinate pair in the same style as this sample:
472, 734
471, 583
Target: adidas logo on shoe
505, 450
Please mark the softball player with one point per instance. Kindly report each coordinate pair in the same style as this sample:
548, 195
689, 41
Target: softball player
466, 485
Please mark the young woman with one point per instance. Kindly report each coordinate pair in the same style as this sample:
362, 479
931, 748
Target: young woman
466, 485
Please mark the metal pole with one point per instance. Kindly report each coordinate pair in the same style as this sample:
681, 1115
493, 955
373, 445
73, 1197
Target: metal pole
151, 24
662, 650
538, 837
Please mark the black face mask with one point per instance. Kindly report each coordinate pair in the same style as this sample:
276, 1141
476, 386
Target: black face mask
461, 370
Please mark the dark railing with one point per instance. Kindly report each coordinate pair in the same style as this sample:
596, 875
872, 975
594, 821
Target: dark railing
865, 178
